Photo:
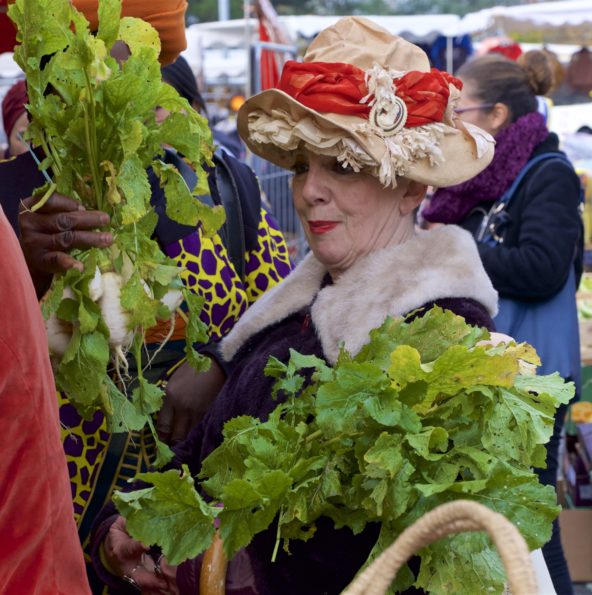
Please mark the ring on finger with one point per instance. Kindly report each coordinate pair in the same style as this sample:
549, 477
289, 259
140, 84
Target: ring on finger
130, 580
157, 568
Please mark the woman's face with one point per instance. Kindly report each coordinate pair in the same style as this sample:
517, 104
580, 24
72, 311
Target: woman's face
15, 145
346, 215
470, 109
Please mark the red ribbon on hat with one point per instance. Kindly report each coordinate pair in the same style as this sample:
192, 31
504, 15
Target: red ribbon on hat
335, 87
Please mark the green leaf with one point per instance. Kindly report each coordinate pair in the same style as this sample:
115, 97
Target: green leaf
181, 206
187, 132
125, 417
461, 564
430, 443
339, 402
140, 36
82, 377
40, 28
88, 316
517, 413
247, 512
53, 297
459, 368
109, 15
196, 331
164, 455
133, 182
552, 384
147, 397
518, 495
140, 308
171, 514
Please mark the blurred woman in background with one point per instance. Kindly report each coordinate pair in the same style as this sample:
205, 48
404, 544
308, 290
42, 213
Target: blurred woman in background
14, 119
534, 250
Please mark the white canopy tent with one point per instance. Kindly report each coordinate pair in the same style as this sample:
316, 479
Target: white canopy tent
542, 14
217, 50
414, 27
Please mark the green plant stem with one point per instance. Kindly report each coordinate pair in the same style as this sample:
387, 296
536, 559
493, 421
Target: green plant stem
105, 400
137, 348
90, 131
44, 198
278, 536
50, 152
56, 160
313, 436
182, 316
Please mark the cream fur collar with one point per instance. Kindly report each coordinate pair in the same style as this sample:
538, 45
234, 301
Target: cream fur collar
438, 264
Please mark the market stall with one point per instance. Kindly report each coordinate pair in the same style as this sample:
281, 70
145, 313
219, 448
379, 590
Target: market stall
567, 21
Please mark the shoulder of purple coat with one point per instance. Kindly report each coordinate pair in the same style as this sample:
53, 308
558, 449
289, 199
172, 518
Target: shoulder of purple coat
471, 310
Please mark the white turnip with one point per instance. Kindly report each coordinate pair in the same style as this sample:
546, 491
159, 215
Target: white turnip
172, 299
59, 334
95, 287
116, 319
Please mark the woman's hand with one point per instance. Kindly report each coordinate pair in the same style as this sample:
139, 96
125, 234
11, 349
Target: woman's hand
188, 397
128, 559
49, 234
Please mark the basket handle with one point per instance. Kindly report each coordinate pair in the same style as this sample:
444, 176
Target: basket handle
447, 519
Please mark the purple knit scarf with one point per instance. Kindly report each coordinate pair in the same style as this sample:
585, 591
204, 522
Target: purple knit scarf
513, 148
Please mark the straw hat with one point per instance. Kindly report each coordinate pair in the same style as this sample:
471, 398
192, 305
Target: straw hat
370, 99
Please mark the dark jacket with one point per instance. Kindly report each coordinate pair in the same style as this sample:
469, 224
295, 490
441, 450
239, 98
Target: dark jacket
543, 235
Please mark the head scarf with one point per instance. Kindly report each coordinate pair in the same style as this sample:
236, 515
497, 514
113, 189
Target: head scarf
166, 16
13, 105
180, 76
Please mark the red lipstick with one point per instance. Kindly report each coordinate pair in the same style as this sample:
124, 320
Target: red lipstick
322, 226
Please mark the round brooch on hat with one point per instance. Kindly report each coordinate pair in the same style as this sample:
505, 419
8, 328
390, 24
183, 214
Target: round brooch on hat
388, 116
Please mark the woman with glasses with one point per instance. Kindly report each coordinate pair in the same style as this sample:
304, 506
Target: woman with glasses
531, 241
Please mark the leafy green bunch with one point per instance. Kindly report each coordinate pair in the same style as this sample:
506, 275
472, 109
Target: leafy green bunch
423, 415
94, 120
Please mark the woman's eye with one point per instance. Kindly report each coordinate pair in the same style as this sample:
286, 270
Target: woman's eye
343, 168
300, 168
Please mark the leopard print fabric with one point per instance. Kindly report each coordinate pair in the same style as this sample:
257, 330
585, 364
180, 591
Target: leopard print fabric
85, 443
208, 272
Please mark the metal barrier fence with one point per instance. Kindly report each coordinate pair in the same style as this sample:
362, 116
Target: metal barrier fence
277, 188
275, 181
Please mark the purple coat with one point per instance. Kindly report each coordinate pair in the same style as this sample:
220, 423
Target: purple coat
327, 562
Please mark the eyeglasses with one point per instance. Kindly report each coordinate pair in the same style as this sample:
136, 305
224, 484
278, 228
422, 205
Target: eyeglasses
462, 110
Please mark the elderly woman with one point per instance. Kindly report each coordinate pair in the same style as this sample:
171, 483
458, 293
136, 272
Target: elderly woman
362, 155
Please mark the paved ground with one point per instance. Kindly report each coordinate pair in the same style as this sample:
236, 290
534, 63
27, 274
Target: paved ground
582, 589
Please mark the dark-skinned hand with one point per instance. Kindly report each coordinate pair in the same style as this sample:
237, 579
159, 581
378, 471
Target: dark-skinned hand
188, 397
48, 235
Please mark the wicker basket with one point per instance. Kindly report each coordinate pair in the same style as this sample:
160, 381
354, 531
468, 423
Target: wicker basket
447, 519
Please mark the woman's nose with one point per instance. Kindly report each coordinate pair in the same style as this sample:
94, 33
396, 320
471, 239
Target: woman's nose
315, 188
